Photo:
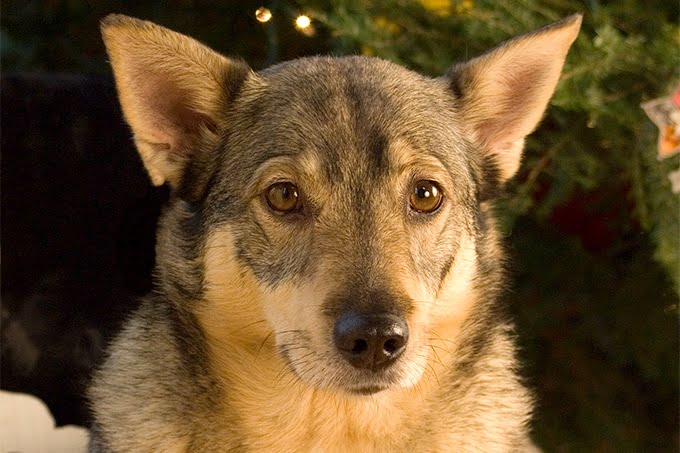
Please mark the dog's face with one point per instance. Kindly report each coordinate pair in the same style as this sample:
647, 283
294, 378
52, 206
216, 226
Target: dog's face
352, 214
343, 196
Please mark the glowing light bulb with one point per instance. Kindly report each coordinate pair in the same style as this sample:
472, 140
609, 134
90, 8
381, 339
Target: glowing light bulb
263, 14
303, 22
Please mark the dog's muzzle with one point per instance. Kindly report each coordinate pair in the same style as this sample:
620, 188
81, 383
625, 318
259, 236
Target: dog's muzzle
370, 341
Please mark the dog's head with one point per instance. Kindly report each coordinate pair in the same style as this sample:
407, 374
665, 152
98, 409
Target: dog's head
342, 201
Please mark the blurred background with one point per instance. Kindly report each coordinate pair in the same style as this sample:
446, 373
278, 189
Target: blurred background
591, 221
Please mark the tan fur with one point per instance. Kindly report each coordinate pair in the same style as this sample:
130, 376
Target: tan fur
236, 349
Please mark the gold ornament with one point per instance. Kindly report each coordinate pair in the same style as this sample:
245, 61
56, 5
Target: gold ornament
263, 14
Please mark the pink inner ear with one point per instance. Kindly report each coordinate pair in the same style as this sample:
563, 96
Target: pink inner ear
513, 98
520, 97
171, 123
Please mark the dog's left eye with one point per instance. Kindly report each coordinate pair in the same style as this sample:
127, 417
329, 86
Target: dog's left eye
283, 197
426, 196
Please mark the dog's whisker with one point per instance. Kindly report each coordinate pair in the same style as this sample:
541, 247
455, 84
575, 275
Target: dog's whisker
436, 356
280, 375
439, 338
293, 363
262, 345
434, 372
428, 377
247, 325
297, 348
441, 348
301, 333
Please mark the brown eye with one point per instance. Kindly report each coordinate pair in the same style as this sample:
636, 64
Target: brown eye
426, 197
283, 197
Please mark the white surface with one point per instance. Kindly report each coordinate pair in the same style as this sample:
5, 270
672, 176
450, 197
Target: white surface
26, 426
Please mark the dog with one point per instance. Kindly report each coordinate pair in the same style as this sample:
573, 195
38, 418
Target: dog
328, 271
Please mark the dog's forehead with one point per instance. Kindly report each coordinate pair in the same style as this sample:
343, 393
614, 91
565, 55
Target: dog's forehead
356, 117
337, 74
347, 90
350, 102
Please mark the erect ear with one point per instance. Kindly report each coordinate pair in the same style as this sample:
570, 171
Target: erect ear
504, 92
174, 91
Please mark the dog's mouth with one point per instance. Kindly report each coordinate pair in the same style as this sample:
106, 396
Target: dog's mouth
368, 390
338, 375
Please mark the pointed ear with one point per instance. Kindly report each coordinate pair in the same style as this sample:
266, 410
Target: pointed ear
504, 92
174, 92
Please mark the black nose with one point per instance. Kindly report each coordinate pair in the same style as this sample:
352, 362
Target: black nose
370, 341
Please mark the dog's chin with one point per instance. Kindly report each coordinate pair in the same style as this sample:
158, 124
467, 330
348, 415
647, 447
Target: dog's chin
351, 382
347, 382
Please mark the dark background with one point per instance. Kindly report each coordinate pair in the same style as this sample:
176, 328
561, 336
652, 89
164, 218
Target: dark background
597, 315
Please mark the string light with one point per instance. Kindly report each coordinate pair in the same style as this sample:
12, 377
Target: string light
303, 22
263, 14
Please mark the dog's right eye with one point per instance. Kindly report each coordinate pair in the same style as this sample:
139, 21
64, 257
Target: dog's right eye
426, 196
283, 197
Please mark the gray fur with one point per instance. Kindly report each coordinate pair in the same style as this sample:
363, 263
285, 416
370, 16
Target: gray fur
353, 117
